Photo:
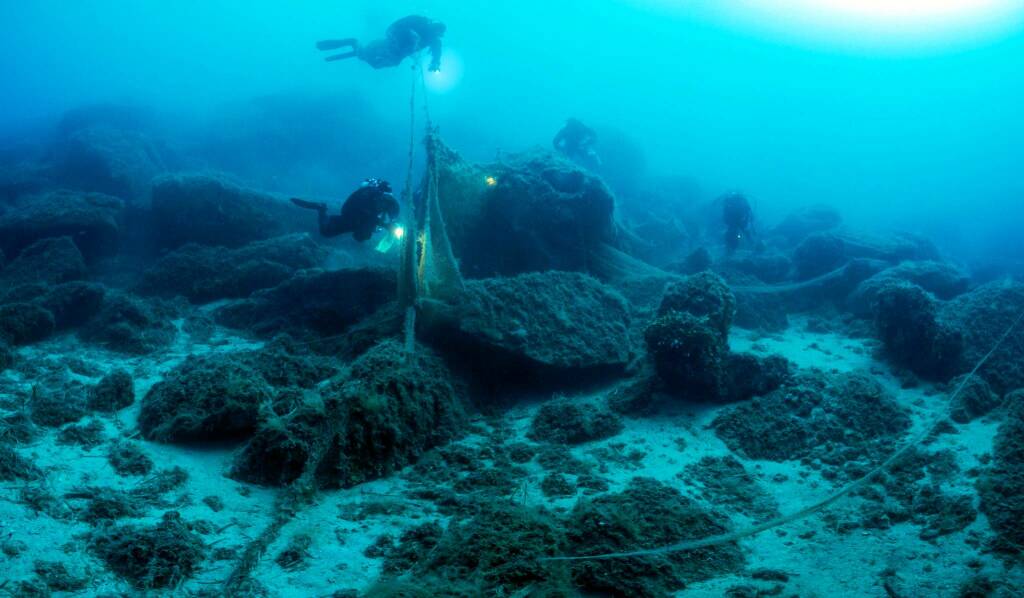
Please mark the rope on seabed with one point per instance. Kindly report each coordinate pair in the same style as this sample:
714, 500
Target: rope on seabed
842, 492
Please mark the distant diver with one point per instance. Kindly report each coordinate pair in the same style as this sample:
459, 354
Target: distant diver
577, 141
738, 219
404, 38
370, 208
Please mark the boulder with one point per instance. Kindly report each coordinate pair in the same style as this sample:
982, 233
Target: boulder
210, 210
982, 317
806, 221
572, 422
91, 220
382, 415
72, 304
705, 295
845, 423
210, 398
975, 400
1001, 487
914, 333
689, 354
324, 303
942, 280
203, 274
768, 267
750, 375
533, 328
109, 160
114, 392
25, 323
228, 396
48, 262
818, 254
128, 324
531, 212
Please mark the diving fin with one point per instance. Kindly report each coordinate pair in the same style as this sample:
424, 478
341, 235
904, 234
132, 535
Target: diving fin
310, 205
334, 44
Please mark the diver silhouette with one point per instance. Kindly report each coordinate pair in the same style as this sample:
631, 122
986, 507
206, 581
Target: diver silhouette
738, 219
576, 141
368, 209
403, 38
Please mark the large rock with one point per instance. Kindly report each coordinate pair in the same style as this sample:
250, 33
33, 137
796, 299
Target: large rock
531, 212
210, 210
25, 323
821, 253
204, 274
982, 317
1002, 486
938, 278
689, 354
806, 221
534, 327
320, 302
91, 220
704, 295
381, 416
109, 160
915, 335
49, 261
128, 324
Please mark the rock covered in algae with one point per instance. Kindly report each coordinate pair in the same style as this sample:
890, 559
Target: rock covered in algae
210, 210
109, 159
530, 212
909, 322
154, 557
534, 325
1002, 485
314, 301
92, 220
381, 415
981, 317
942, 280
704, 295
204, 274
47, 261
689, 355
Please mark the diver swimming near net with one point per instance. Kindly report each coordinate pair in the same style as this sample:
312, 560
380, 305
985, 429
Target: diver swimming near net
403, 38
369, 209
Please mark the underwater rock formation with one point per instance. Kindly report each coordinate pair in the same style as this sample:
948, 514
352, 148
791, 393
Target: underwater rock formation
129, 324
320, 302
909, 322
210, 210
538, 327
572, 422
803, 222
153, 557
47, 261
689, 355
981, 317
209, 398
202, 274
1002, 486
818, 254
25, 323
91, 220
975, 400
386, 411
109, 160
530, 212
845, 422
942, 280
704, 295
72, 304
647, 514
114, 392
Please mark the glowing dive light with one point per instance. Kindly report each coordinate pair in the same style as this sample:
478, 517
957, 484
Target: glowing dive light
491, 181
399, 232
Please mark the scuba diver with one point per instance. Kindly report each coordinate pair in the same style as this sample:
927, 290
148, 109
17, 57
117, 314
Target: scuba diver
403, 38
576, 141
738, 219
370, 208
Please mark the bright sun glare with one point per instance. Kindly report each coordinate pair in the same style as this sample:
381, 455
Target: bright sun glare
864, 23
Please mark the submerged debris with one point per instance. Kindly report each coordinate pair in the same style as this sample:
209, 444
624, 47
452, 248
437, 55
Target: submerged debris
160, 556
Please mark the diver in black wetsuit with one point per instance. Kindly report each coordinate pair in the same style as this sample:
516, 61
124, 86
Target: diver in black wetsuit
368, 209
576, 141
738, 219
402, 39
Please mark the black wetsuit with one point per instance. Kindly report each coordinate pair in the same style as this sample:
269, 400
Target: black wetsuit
402, 39
576, 140
738, 219
366, 210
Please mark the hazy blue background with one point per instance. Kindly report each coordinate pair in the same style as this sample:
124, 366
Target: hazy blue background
891, 129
